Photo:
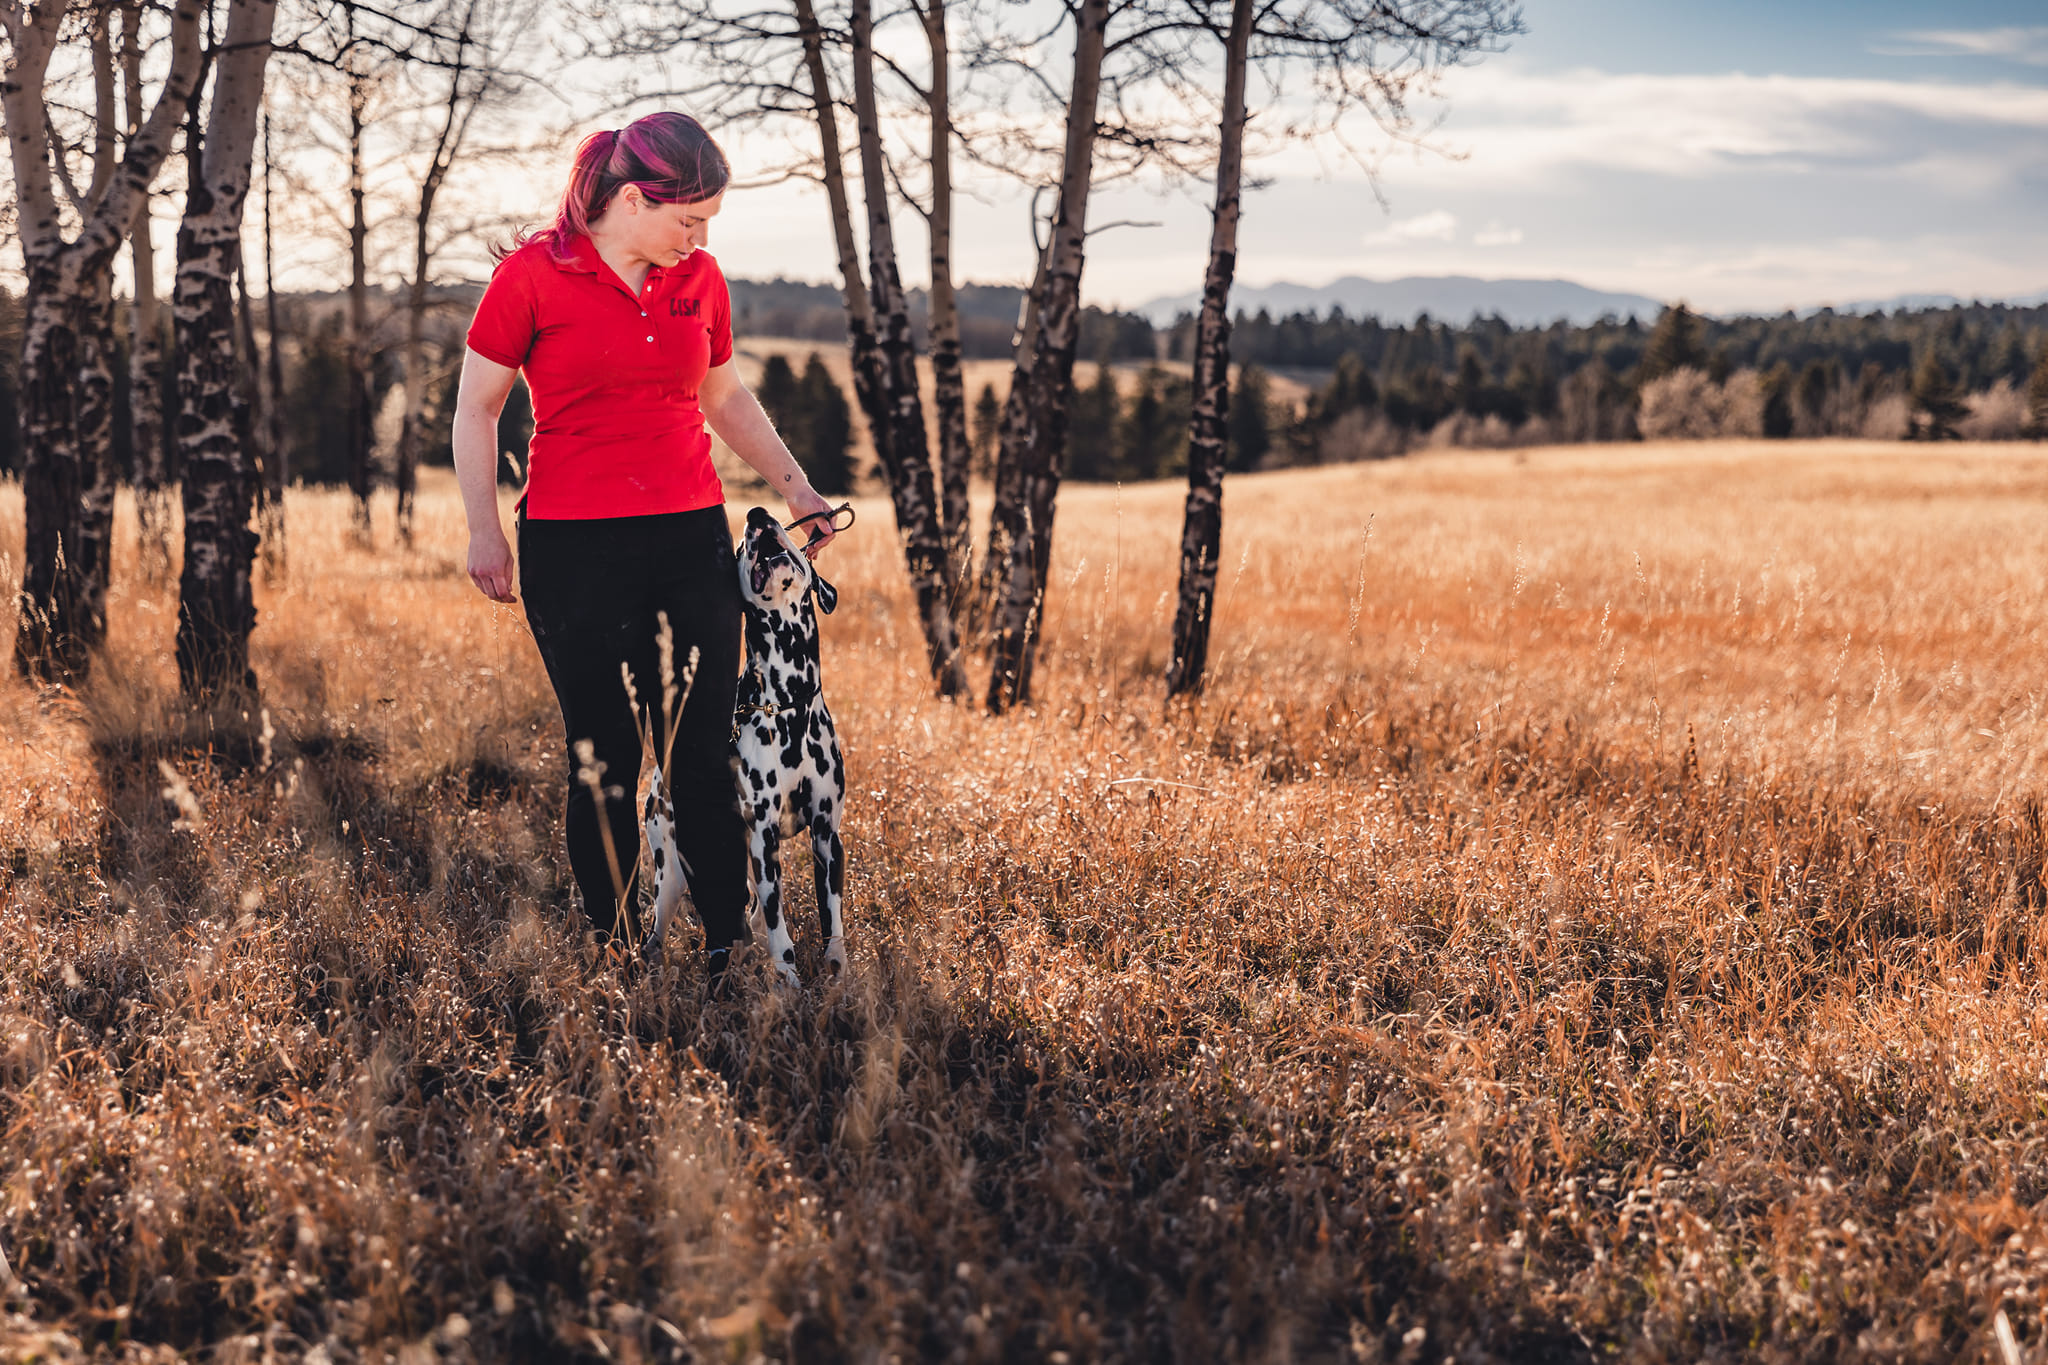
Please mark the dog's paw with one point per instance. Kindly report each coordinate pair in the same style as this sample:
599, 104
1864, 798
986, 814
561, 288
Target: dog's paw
650, 949
785, 975
835, 958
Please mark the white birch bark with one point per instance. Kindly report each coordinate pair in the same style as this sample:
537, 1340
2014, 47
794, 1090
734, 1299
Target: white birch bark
216, 612
459, 109
360, 415
1201, 539
66, 374
1042, 416
272, 539
949, 384
900, 441
155, 501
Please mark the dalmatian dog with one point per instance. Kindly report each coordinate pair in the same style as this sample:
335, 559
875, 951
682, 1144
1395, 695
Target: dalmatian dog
790, 774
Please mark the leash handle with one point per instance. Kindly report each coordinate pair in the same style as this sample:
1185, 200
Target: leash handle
831, 518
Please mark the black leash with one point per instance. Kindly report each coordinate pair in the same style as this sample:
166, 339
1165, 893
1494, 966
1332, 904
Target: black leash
831, 519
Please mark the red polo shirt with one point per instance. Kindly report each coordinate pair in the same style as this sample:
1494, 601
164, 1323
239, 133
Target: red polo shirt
616, 427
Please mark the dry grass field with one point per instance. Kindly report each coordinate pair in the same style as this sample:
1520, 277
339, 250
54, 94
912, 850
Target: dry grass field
1593, 914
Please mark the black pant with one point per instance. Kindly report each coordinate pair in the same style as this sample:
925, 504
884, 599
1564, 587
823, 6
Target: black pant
594, 590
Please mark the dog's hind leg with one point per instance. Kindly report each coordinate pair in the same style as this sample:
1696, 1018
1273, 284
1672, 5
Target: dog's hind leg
764, 851
658, 819
828, 866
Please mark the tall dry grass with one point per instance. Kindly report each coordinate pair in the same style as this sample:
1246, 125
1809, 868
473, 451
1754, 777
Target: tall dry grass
1593, 913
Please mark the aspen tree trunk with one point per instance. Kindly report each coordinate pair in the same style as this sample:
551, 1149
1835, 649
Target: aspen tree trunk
94, 411
67, 339
96, 473
56, 635
1201, 537
949, 384
860, 321
360, 416
454, 127
1006, 516
53, 638
216, 612
155, 503
901, 442
251, 429
106, 124
270, 522
1042, 432
405, 471
97, 349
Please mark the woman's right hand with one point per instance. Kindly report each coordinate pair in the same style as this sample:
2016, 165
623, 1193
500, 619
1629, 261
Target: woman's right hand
490, 564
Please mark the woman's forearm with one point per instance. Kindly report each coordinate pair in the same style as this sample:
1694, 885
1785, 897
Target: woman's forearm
740, 423
475, 443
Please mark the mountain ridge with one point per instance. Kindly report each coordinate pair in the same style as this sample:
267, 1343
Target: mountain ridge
1450, 298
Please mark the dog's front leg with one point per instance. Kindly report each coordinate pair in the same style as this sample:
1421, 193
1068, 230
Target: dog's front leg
828, 866
764, 850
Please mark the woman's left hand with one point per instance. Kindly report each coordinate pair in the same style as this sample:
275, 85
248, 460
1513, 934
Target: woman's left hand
805, 502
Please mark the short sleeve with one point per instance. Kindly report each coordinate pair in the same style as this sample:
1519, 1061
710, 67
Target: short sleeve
721, 317
503, 328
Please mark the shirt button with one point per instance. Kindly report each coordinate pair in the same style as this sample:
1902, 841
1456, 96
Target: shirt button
650, 338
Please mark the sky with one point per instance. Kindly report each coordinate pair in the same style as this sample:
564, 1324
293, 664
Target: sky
1744, 156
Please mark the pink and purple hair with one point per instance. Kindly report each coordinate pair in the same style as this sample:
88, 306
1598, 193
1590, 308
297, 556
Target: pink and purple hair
668, 155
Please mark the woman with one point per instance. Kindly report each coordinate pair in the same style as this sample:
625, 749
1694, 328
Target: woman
623, 327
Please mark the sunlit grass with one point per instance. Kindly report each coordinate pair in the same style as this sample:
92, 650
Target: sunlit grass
1593, 911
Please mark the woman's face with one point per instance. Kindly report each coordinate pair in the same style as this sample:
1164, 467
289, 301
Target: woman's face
664, 234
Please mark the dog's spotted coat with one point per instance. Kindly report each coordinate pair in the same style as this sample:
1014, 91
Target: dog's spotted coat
787, 759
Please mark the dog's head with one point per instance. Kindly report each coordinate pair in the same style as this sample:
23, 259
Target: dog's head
774, 574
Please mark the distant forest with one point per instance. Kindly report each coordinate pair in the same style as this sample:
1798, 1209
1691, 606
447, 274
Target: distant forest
1375, 390
1979, 370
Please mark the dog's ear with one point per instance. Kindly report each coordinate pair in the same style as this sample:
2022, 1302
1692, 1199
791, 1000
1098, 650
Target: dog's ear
827, 595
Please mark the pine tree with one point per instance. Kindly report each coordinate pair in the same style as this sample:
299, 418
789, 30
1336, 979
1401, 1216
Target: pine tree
318, 443
1143, 433
1673, 345
1176, 411
988, 428
1778, 418
2010, 356
782, 399
1810, 404
1091, 436
1351, 387
1936, 407
828, 429
2037, 397
1250, 420
1472, 383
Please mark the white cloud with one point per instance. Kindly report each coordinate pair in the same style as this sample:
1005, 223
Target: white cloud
2014, 44
1438, 225
1733, 191
1510, 125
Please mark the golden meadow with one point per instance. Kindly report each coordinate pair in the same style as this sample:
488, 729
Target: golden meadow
1592, 913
